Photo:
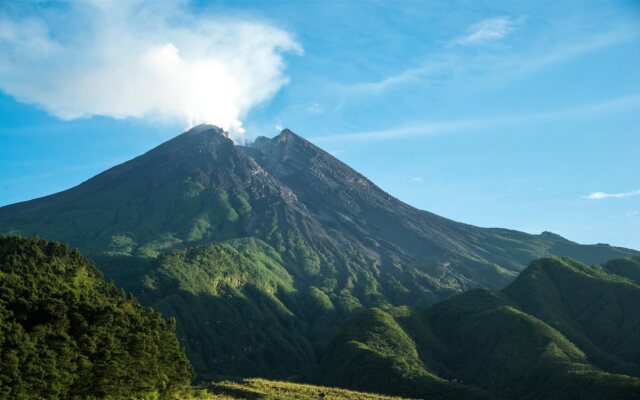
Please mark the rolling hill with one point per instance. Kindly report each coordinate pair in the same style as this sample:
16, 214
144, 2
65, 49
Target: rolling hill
561, 330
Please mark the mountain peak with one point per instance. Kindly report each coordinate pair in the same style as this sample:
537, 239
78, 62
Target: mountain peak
288, 134
206, 130
286, 145
551, 235
201, 139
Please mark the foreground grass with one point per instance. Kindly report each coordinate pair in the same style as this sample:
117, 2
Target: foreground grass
262, 389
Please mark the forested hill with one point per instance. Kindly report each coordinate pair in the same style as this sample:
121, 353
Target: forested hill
563, 330
67, 334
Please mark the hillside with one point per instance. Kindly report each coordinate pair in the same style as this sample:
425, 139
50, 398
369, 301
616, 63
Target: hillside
562, 330
595, 308
237, 310
279, 236
67, 334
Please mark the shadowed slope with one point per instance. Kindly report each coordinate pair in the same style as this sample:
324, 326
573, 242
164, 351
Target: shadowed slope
545, 336
598, 311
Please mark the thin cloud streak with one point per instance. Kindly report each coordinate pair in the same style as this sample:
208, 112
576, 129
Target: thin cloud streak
408, 75
602, 195
568, 52
487, 30
429, 128
505, 66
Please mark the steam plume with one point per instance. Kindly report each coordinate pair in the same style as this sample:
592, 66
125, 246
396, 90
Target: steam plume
139, 59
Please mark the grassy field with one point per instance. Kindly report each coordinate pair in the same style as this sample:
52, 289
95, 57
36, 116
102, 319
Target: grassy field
262, 389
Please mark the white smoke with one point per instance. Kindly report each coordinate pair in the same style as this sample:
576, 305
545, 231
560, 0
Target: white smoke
140, 59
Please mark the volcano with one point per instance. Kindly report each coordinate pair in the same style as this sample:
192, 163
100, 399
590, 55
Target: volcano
306, 242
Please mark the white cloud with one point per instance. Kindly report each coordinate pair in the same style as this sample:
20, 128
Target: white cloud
141, 59
602, 195
417, 179
486, 31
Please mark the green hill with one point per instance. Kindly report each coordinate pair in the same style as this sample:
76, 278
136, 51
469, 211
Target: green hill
375, 353
594, 308
625, 267
236, 307
67, 334
562, 330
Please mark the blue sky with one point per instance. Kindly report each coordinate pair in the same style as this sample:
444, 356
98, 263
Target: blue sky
523, 115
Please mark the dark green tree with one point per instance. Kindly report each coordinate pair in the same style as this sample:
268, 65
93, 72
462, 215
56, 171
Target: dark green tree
65, 333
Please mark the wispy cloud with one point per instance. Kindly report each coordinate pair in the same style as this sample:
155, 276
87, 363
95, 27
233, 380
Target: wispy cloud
397, 132
425, 70
417, 179
566, 52
487, 30
621, 104
315, 108
505, 66
603, 195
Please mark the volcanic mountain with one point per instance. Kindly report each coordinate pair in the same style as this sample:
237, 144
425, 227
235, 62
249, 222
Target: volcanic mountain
278, 234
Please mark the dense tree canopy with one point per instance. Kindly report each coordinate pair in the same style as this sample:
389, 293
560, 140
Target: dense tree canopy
67, 334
